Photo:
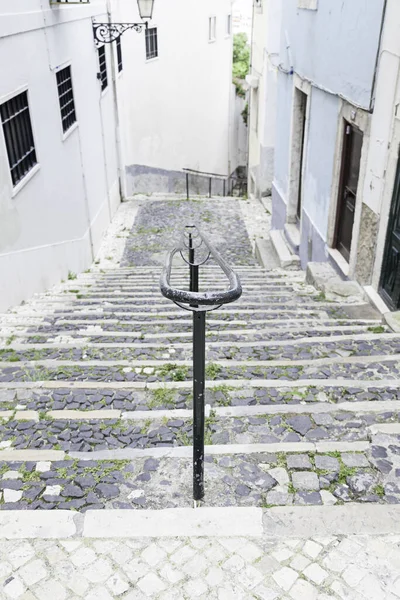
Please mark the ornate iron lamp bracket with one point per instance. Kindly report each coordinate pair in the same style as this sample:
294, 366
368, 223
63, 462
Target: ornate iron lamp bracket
106, 33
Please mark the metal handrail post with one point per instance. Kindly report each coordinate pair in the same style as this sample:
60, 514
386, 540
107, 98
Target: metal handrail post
199, 363
187, 186
199, 366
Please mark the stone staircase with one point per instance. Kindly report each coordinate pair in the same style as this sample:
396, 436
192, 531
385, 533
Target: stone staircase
96, 396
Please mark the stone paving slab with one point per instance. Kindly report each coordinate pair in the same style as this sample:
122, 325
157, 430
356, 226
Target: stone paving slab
355, 567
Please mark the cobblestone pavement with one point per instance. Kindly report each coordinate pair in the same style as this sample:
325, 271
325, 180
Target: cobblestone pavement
321, 568
302, 414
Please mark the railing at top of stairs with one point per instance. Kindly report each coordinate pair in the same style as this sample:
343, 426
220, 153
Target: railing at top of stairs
229, 183
192, 242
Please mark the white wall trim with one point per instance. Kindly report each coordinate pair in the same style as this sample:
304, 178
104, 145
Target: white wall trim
361, 120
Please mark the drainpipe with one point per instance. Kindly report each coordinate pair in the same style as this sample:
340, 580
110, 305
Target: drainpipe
378, 55
114, 71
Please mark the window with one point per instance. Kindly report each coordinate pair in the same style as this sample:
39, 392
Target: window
119, 55
103, 67
212, 29
229, 25
308, 4
66, 98
151, 43
18, 136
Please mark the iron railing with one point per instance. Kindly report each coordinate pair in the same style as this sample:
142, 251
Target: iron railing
219, 185
199, 303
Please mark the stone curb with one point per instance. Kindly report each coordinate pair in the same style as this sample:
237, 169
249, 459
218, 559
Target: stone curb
219, 411
219, 344
234, 383
279, 522
182, 451
187, 363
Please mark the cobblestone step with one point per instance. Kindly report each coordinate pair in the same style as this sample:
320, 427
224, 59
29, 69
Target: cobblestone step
239, 394
310, 474
79, 338
358, 367
77, 430
169, 332
324, 347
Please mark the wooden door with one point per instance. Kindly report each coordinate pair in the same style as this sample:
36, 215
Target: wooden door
351, 159
390, 278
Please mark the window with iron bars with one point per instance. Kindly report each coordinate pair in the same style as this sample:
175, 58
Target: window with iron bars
66, 98
103, 67
119, 55
69, 1
151, 43
18, 135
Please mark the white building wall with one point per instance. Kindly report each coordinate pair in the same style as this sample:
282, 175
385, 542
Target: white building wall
53, 221
176, 106
263, 98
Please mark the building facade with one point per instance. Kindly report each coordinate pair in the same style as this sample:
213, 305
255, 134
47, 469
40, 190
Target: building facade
336, 186
176, 106
82, 126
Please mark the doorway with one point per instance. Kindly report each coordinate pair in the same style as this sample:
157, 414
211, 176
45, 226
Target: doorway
350, 173
390, 277
302, 119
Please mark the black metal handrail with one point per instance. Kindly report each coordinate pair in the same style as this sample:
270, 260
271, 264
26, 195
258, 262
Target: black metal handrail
228, 182
195, 299
199, 303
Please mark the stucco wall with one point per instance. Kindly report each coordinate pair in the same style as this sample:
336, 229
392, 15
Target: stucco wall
177, 106
56, 220
319, 158
335, 45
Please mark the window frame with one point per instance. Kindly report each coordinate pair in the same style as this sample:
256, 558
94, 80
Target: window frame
120, 63
151, 43
66, 132
212, 29
229, 25
307, 4
9, 143
103, 73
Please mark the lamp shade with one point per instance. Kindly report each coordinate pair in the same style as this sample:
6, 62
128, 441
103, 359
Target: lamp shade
146, 8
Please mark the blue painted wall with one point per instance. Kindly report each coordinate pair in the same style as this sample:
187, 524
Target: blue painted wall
320, 154
335, 45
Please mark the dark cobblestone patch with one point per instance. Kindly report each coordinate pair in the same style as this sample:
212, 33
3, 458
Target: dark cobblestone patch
162, 399
94, 434
159, 224
236, 480
174, 372
300, 351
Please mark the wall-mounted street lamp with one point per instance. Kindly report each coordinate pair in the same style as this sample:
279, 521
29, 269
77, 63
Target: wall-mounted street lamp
106, 33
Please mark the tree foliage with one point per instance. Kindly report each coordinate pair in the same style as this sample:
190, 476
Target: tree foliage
241, 56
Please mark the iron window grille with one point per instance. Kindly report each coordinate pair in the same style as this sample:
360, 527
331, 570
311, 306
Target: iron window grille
69, 1
66, 98
103, 67
119, 55
18, 136
151, 43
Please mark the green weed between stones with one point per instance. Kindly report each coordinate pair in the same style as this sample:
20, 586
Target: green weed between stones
9, 355
10, 339
377, 329
225, 390
212, 371
161, 397
379, 490
177, 373
71, 276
